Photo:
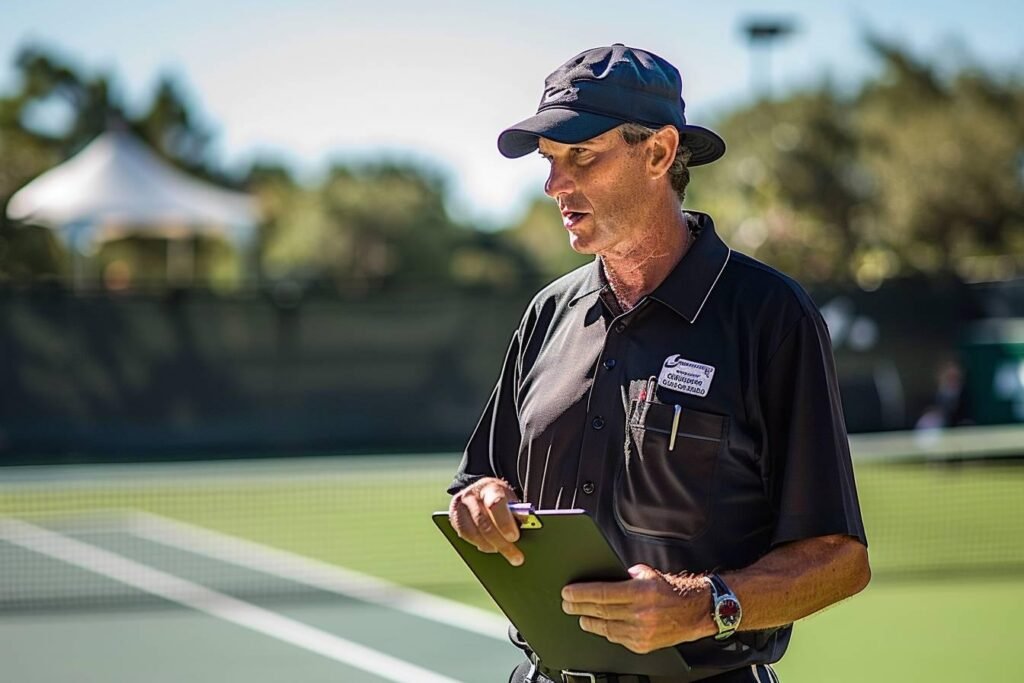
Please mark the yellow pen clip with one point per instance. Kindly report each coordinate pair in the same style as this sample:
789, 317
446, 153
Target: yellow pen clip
675, 426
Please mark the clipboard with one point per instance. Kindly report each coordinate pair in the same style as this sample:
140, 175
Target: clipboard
559, 547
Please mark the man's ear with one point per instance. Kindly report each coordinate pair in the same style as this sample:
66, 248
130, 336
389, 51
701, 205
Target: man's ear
662, 148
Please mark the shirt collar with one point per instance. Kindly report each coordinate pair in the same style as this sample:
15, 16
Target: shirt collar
688, 287
593, 281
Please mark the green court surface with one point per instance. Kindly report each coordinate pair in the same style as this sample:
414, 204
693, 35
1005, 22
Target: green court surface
928, 631
105, 570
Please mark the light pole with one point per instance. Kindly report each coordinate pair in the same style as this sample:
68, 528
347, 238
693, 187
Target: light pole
762, 34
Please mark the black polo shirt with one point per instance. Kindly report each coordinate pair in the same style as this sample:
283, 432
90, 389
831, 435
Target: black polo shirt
700, 429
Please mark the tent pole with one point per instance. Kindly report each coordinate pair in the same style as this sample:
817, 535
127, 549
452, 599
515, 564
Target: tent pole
78, 233
181, 255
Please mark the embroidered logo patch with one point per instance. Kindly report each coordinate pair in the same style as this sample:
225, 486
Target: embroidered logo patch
679, 374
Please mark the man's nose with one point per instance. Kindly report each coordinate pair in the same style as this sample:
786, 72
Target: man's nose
558, 183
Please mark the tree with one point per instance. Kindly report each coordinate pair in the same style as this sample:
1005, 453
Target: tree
379, 224
89, 105
791, 189
916, 172
541, 235
946, 155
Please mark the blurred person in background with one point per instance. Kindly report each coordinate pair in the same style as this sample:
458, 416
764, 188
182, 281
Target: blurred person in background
949, 407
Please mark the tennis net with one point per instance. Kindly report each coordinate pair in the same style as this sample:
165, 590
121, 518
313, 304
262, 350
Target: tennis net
935, 505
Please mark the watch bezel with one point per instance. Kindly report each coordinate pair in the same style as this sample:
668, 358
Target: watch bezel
726, 625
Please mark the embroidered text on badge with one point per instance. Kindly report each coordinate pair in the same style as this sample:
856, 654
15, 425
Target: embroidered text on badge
679, 374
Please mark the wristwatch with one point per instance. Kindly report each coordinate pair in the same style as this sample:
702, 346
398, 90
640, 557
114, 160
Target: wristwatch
726, 610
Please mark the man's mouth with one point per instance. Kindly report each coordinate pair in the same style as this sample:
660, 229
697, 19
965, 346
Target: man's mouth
570, 218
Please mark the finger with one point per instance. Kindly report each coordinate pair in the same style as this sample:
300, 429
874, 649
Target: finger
617, 612
481, 521
643, 571
513, 554
611, 630
489, 533
496, 499
594, 625
614, 631
603, 592
466, 528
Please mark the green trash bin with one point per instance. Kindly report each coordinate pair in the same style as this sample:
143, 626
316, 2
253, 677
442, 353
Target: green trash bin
993, 360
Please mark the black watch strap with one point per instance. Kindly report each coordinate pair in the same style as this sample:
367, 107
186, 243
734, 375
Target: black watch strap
726, 611
718, 586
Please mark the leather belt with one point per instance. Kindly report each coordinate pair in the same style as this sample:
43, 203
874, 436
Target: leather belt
568, 676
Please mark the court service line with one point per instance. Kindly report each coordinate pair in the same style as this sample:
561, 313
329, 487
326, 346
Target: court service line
315, 573
175, 589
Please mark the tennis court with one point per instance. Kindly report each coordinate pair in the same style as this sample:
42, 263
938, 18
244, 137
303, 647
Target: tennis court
221, 571
330, 569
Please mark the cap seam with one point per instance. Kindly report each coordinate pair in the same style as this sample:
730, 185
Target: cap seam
596, 112
624, 86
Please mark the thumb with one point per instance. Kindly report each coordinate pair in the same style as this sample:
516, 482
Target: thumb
642, 571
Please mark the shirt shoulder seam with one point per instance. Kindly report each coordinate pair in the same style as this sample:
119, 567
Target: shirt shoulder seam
796, 290
784, 339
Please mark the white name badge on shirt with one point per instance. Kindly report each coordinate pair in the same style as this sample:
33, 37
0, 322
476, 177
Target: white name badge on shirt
687, 376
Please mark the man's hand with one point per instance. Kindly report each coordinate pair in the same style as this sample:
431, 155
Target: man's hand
479, 513
650, 611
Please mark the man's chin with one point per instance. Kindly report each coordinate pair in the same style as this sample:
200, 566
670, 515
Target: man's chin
581, 245
581, 249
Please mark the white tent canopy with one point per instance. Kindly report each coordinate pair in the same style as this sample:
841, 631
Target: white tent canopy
117, 186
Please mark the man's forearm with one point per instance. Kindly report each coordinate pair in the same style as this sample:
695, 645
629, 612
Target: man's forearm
798, 579
656, 609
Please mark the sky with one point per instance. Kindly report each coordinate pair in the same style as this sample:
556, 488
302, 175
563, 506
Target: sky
308, 81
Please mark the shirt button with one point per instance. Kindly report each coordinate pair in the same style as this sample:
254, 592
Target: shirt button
588, 487
609, 364
598, 422
620, 327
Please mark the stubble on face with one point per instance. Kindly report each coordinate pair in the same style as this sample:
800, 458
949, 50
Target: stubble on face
603, 179
630, 220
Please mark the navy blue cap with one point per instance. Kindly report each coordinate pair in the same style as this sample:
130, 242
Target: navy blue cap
605, 87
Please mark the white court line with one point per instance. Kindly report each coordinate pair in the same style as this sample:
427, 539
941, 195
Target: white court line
310, 572
200, 598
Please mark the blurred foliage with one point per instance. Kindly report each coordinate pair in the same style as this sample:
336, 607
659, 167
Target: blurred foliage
364, 226
918, 170
540, 234
57, 110
89, 104
376, 225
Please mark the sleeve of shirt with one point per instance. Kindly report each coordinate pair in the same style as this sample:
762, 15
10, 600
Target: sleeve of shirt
497, 436
810, 475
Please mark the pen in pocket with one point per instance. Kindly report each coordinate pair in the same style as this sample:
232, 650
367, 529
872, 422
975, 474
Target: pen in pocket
652, 382
675, 427
647, 397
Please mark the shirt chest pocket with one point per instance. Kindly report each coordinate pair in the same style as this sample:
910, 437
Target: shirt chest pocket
665, 485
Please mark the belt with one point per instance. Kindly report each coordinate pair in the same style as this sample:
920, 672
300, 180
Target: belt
568, 676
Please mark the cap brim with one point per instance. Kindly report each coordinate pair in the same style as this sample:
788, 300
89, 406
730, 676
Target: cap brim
561, 125
706, 145
569, 126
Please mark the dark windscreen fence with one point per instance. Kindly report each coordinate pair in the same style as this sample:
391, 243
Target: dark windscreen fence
188, 374
937, 506
192, 375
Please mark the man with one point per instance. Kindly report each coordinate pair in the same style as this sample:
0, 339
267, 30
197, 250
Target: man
681, 393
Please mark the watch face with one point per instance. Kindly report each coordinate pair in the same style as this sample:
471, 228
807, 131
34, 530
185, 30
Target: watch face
729, 612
